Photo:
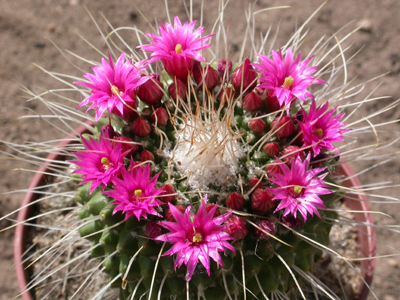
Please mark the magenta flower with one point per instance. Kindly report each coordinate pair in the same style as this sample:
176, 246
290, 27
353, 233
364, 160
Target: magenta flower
298, 188
196, 237
100, 163
320, 128
135, 194
113, 87
286, 78
177, 47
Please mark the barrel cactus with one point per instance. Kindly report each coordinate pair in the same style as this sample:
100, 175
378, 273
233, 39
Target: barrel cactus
207, 179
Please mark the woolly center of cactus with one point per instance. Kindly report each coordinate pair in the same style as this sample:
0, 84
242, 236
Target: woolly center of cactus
207, 151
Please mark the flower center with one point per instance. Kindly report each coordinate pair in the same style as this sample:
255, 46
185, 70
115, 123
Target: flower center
178, 49
288, 82
195, 235
295, 191
319, 132
115, 91
138, 193
105, 164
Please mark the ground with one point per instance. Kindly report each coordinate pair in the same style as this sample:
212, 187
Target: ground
29, 27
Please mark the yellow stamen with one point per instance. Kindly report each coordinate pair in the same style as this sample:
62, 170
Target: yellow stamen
115, 90
297, 189
105, 161
288, 82
319, 132
138, 193
178, 48
197, 238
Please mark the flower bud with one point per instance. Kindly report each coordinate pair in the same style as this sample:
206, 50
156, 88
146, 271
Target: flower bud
272, 102
207, 75
146, 156
244, 78
169, 194
286, 127
226, 95
257, 125
273, 168
266, 226
255, 182
224, 68
252, 102
151, 92
153, 229
290, 153
108, 132
177, 89
235, 201
160, 116
272, 149
141, 127
209, 207
168, 214
261, 201
236, 227
292, 222
127, 145
128, 110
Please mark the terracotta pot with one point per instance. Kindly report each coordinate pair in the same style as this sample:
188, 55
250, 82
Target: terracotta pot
367, 240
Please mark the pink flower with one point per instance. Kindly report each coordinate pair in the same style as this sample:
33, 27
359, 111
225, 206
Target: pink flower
135, 194
286, 78
320, 128
100, 163
177, 47
298, 188
196, 237
113, 87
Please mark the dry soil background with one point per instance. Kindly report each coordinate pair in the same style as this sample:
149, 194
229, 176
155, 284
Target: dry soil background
25, 25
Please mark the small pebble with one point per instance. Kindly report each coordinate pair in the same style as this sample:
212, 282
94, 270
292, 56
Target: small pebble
366, 25
393, 263
388, 297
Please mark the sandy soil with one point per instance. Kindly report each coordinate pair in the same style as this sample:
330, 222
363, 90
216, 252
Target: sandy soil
27, 26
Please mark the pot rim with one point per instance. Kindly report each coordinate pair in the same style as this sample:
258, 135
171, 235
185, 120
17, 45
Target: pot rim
365, 233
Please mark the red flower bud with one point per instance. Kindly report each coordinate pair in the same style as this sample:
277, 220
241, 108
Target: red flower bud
252, 102
177, 89
128, 109
257, 125
244, 78
224, 68
127, 145
168, 215
141, 127
290, 153
272, 149
209, 76
292, 222
210, 206
266, 226
108, 132
236, 227
235, 201
169, 195
153, 229
286, 127
152, 91
226, 95
272, 102
162, 116
255, 182
146, 155
273, 168
261, 201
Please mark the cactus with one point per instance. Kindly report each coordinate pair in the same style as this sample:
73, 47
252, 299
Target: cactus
213, 180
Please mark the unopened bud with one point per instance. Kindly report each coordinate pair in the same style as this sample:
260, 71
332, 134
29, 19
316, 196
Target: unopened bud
252, 101
141, 127
209, 76
244, 78
224, 68
291, 153
127, 145
168, 214
236, 227
160, 116
282, 126
272, 149
146, 156
257, 125
153, 229
261, 201
169, 194
177, 89
151, 92
209, 207
235, 201
265, 230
